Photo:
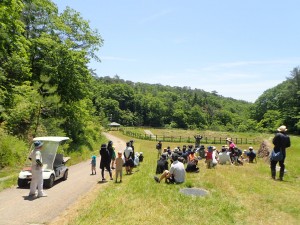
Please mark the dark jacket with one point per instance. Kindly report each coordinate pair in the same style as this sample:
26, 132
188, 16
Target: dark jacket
162, 165
105, 157
281, 141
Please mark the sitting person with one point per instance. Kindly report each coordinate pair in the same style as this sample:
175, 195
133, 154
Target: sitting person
162, 164
251, 155
215, 157
191, 156
176, 173
141, 157
237, 156
192, 166
224, 157
244, 156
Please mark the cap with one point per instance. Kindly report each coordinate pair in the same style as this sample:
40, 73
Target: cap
38, 144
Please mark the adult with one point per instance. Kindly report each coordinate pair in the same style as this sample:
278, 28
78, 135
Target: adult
162, 164
281, 141
176, 173
128, 158
215, 157
224, 157
159, 149
251, 155
192, 166
37, 170
105, 161
133, 153
231, 147
112, 153
197, 140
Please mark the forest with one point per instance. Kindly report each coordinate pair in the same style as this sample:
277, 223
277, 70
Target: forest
47, 88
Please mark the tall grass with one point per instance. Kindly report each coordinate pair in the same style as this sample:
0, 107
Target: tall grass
237, 195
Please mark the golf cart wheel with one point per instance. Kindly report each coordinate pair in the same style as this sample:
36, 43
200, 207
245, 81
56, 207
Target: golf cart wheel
49, 182
65, 177
22, 183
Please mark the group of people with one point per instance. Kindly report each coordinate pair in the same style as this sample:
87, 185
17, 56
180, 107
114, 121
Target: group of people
176, 174
186, 159
109, 161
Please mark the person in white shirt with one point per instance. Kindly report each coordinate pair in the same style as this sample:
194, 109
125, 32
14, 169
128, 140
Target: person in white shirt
176, 173
37, 170
129, 164
224, 157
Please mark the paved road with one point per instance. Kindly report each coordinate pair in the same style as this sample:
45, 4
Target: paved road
17, 209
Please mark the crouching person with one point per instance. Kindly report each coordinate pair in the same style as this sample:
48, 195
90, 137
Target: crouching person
192, 166
176, 173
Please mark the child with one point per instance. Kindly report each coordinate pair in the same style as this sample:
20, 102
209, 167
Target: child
119, 166
93, 163
209, 157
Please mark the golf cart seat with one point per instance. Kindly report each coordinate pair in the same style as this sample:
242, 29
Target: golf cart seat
58, 161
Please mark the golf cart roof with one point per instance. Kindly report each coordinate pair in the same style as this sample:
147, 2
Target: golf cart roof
51, 138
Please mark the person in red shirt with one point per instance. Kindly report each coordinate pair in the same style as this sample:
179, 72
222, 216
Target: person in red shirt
209, 157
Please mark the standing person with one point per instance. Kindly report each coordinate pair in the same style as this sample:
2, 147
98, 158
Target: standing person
128, 158
119, 167
197, 140
159, 149
112, 153
281, 141
133, 153
37, 170
93, 164
105, 161
209, 157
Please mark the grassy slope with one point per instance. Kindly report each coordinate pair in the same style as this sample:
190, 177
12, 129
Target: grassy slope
237, 195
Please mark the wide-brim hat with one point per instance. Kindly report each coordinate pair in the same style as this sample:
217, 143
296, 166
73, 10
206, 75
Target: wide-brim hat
282, 128
228, 139
38, 144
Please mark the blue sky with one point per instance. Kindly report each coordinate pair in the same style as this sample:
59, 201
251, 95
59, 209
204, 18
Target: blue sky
237, 48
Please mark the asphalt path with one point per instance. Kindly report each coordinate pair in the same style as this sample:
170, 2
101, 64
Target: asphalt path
17, 208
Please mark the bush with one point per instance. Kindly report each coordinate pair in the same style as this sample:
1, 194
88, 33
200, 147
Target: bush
12, 150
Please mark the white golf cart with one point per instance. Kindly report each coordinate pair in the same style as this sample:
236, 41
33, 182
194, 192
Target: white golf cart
54, 167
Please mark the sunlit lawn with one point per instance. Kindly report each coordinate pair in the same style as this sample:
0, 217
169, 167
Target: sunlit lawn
237, 195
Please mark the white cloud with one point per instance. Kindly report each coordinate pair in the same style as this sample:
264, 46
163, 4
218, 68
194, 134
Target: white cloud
156, 16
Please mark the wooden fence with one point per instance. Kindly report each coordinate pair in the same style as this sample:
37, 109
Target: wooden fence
204, 140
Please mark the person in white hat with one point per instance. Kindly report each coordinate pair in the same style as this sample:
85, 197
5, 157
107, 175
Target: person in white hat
281, 141
36, 170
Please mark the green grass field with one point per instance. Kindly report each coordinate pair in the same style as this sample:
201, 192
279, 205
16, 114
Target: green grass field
237, 194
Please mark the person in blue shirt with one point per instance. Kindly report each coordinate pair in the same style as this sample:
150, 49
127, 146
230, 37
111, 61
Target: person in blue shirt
93, 165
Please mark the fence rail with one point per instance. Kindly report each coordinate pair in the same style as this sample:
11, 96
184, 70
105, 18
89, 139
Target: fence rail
204, 140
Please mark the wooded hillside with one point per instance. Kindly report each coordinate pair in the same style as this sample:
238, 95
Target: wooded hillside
46, 87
